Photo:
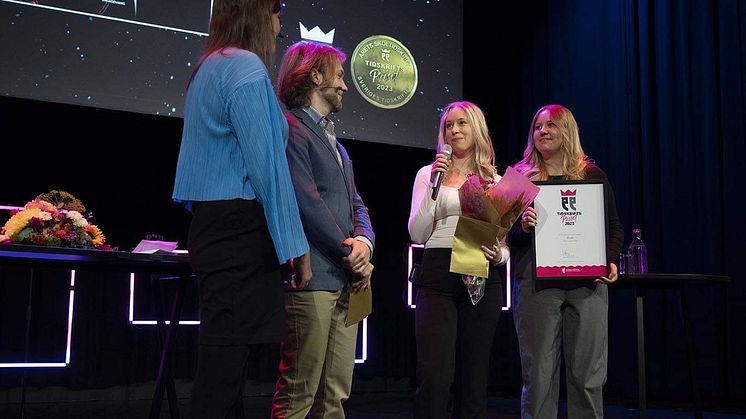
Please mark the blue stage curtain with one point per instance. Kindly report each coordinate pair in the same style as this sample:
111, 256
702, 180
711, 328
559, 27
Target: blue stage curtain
659, 91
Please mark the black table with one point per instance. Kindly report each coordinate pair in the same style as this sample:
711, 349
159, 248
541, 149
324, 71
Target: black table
157, 266
671, 282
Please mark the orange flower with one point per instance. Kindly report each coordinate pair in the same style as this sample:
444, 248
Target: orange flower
54, 221
97, 236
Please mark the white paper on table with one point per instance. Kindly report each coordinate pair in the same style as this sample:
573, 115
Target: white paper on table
154, 246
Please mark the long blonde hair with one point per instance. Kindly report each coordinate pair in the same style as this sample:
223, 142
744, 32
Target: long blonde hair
574, 159
484, 153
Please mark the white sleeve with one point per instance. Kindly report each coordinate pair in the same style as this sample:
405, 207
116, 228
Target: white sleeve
422, 212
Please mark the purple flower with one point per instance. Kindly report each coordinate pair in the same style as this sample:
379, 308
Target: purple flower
35, 223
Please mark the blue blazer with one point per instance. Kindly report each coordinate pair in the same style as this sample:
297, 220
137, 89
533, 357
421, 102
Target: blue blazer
331, 209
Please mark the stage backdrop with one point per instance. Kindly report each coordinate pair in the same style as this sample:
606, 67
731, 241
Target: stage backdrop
657, 91
404, 57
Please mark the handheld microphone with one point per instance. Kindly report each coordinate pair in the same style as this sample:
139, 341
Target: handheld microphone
446, 150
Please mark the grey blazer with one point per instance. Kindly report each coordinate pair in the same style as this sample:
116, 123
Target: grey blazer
331, 209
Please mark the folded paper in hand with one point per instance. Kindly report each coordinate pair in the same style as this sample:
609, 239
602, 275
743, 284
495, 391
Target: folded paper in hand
360, 306
155, 246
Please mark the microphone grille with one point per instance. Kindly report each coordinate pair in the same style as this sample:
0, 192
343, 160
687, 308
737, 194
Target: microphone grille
446, 150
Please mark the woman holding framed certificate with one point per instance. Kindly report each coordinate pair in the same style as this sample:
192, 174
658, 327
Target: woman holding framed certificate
555, 316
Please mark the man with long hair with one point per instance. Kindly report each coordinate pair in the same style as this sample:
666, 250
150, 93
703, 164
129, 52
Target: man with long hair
318, 354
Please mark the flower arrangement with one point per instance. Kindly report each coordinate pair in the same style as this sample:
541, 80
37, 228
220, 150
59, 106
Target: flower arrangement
488, 211
54, 218
498, 203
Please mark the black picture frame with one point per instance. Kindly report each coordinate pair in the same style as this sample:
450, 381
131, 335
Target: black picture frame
571, 236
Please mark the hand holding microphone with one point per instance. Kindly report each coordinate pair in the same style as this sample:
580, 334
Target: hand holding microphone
441, 164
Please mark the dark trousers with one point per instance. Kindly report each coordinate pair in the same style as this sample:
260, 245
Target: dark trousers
219, 381
454, 340
240, 297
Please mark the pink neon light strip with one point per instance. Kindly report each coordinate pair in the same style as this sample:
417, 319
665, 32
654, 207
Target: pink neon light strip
148, 322
196, 322
410, 263
10, 208
70, 305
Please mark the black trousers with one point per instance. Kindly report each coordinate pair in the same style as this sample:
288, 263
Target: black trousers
454, 339
240, 297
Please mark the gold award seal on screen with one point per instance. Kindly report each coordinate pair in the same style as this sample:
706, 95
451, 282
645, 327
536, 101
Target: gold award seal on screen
384, 72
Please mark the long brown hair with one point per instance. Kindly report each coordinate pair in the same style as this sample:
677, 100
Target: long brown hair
245, 24
574, 159
294, 83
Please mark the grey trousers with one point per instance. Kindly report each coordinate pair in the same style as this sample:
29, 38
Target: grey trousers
554, 321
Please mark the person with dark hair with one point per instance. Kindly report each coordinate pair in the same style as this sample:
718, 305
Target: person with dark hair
454, 335
560, 317
232, 173
318, 353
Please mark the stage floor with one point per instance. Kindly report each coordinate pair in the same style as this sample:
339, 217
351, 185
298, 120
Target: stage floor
360, 406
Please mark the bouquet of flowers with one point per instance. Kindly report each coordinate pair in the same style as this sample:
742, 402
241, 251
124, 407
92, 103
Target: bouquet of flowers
488, 211
54, 218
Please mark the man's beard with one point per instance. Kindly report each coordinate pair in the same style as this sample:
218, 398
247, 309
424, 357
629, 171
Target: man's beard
332, 98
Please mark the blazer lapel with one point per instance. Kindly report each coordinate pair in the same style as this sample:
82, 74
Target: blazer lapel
321, 136
316, 129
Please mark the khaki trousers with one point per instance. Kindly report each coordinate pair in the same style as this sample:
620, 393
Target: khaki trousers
317, 358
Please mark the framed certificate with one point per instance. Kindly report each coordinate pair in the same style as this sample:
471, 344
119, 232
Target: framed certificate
570, 234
